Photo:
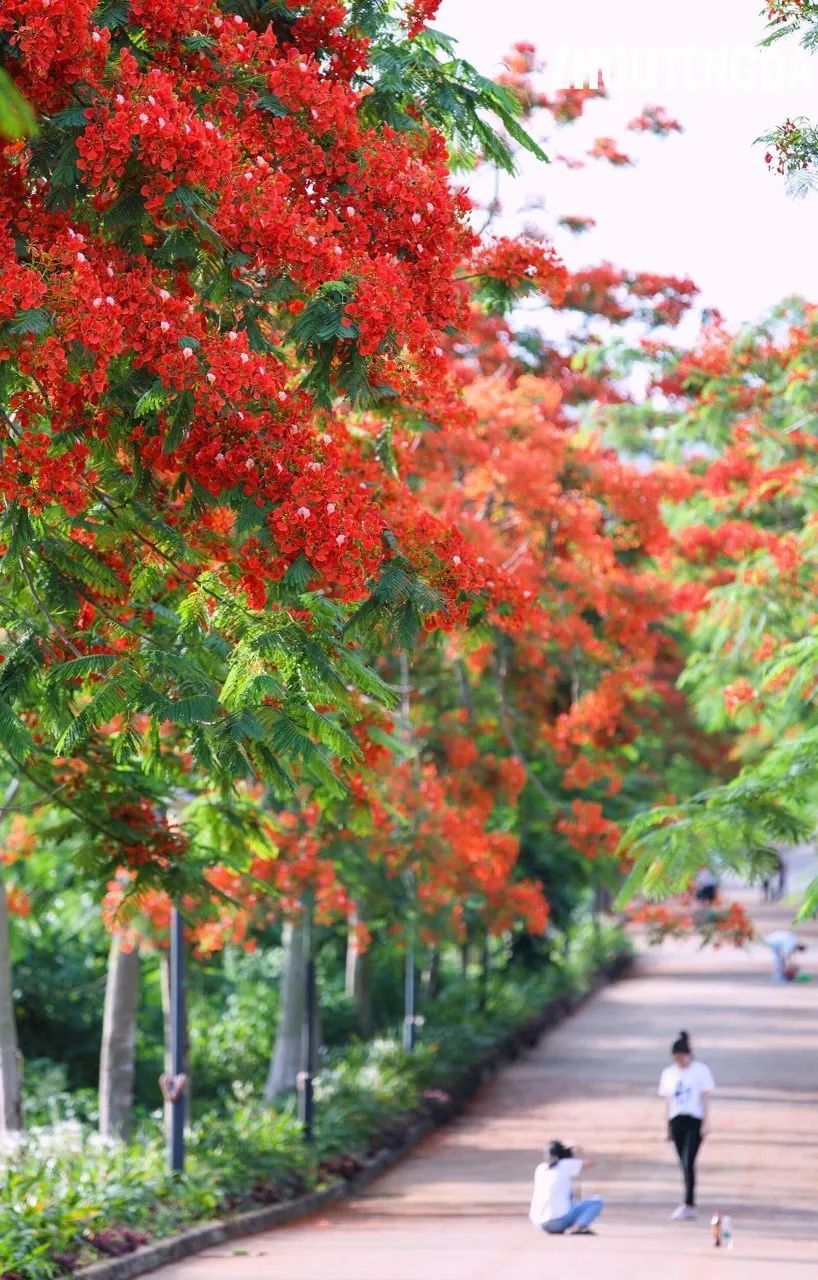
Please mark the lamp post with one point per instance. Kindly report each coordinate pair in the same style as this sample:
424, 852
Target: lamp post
409, 993
409, 975
485, 967
174, 1088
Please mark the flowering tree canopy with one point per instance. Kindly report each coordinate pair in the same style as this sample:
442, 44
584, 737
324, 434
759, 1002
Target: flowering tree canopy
228, 233
737, 410
265, 426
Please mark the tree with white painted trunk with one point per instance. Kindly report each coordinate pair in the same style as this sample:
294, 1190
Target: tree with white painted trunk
286, 1061
117, 1058
11, 1106
358, 978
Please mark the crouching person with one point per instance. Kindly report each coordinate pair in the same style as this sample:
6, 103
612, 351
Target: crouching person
554, 1207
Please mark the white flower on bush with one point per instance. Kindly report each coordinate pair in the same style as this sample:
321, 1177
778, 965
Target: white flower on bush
383, 1047
370, 1077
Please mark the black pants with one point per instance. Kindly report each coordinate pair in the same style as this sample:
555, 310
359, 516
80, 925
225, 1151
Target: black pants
686, 1132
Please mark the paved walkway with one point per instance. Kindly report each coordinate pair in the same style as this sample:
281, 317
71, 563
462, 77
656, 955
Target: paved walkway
456, 1209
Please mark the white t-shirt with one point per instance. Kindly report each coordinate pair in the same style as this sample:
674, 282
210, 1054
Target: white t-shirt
782, 941
552, 1191
684, 1087
706, 879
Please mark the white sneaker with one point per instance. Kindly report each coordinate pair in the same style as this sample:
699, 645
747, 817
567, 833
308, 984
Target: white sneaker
683, 1213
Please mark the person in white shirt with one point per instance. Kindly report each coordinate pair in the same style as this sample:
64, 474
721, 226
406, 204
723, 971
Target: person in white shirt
784, 944
687, 1086
553, 1207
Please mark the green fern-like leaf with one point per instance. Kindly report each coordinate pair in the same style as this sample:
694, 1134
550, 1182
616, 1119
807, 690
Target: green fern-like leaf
34, 320
110, 700
17, 120
88, 664
14, 735
77, 562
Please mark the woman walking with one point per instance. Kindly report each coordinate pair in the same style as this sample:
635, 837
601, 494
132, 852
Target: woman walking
687, 1085
553, 1207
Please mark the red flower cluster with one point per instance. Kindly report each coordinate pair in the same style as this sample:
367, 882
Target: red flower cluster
606, 149
655, 120
589, 831
618, 295
420, 13
567, 105
206, 166
20, 841
149, 837
576, 225
739, 694
18, 902
524, 266
296, 868
780, 11
681, 918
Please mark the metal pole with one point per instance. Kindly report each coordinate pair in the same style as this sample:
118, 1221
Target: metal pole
306, 1078
409, 961
177, 1042
409, 995
485, 964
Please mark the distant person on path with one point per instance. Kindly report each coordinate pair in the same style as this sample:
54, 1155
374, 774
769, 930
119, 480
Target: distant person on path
706, 886
774, 884
781, 887
784, 945
687, 1085
553, 1207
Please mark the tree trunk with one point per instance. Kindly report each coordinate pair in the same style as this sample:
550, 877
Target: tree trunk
358, 981
430, 977
603, 901
285, 1063
485, 970
11, 1103
117, 1059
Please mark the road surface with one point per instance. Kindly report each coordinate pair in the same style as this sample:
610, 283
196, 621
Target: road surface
456, 1209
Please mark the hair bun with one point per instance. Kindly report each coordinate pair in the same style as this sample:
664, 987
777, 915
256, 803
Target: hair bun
681, 1044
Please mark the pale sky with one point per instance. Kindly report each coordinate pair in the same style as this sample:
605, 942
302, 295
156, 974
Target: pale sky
701, 204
